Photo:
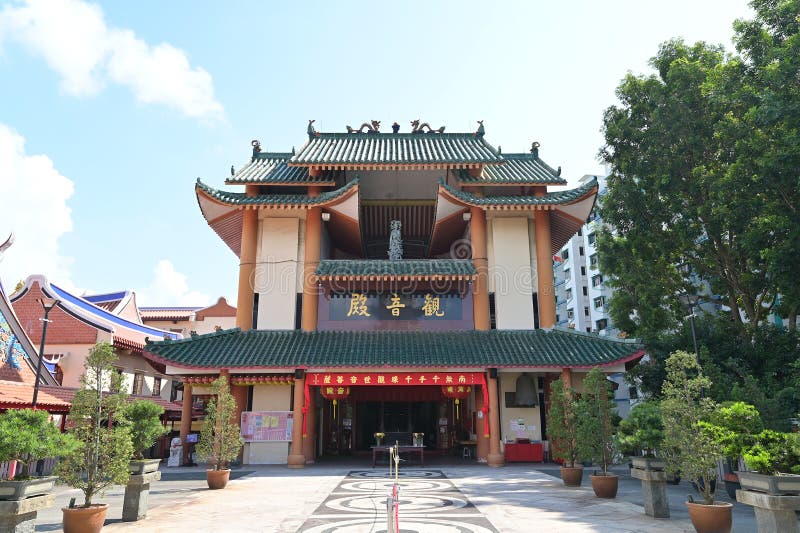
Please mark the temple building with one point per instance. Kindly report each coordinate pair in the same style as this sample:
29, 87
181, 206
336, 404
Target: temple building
393, 286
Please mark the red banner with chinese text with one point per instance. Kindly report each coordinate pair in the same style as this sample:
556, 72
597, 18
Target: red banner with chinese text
349, 379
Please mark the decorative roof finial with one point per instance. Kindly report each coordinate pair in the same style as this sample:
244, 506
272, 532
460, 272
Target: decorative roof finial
233, 171
416, 127
535, 149
499, 149
558, 172
312, 131
6, 245
293, 153
481, 131
371, 128
256, 144
395, 127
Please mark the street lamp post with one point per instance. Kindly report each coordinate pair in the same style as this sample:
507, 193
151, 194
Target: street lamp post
48, 304
690, 301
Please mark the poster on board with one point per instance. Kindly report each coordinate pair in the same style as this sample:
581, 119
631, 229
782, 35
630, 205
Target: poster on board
267, 426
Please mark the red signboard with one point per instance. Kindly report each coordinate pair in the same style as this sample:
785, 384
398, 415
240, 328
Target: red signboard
349, 379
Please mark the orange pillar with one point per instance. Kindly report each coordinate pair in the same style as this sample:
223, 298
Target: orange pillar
247, 264
311, 261
495, 457
296, 457
544, 270
566, 377
480, 287
311, 429
482, 447
186, 421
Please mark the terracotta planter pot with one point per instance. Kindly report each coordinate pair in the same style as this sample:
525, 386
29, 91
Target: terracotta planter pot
218, 479
715, 518
605, 486
84, 519
572, 476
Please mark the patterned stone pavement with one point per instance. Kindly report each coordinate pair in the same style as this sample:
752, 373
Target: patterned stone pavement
428, 502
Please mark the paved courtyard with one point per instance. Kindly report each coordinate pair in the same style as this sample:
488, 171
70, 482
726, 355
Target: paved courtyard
350, 498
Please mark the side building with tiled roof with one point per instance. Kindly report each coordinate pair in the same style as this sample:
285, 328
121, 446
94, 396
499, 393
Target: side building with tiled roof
393, 284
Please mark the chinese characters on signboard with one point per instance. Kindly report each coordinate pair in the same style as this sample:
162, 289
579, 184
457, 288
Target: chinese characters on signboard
267, 426
336, 380
396, 306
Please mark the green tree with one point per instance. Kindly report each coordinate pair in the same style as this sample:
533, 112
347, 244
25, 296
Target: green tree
144, 419
98, 424
220, 439
27, 435
562, 424
642, 430
694, 447
596, 419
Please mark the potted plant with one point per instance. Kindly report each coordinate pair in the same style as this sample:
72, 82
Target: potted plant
104, 446
144, 420
737, 425
775, 461
26, 436
641, 434
595, 410
220, 439
695, 451
562, 427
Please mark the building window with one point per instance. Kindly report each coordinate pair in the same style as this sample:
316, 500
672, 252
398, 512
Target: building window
633, 393
580, 232
156, 386
138, 381
569, 294
588, 329
601, 324
583, 271
597, 280
570, 313
580, 250
593, 261
599, 302
585, 291
585, 311
566, 274
591, 238
565, 255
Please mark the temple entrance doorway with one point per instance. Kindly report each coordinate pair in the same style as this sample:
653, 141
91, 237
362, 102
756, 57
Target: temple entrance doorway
398, 421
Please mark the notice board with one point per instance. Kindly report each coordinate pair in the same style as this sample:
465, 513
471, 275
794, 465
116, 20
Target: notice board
267, 426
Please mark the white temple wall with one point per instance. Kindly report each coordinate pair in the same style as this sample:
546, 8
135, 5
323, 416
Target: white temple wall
268, 398
276, 272
513, 287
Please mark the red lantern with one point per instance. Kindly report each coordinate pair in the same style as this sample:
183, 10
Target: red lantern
334, 394
458, 393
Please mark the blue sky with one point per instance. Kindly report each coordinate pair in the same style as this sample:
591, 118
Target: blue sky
109, 112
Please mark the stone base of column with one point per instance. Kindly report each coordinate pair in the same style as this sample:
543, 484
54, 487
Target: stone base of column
19, 516
496, 459
296, 461
654, 491
774, 514
137, 492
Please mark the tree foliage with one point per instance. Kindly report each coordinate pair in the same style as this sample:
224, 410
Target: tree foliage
27, 435
562, 423
596, 413
144, 419
693, 442
704, 181
220, 439
642, 430
97, 421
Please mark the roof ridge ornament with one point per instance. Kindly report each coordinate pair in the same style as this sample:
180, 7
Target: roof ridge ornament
480, 131
372, 127
416, 127
6, 244
311, 130
256, 144
535, 149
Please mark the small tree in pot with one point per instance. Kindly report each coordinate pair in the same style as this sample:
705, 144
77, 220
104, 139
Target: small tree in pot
104, 440
562, 432
737, 426
596, 424
220, 439
144, 419
774, 461
691, 438
643, 431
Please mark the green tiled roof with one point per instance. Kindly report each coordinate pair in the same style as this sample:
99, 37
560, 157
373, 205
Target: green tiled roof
551, 198
396, 149
406, 267
523, 169
239, 198
292, 349
271, 168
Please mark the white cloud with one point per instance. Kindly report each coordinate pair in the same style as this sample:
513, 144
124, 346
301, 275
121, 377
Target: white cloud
169, 287
35, 208
75, 41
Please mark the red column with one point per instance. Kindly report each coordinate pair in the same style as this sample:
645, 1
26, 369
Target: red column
296, 458
186, 420
480, 286
544, 270
495, 457
313, 244
311, 428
